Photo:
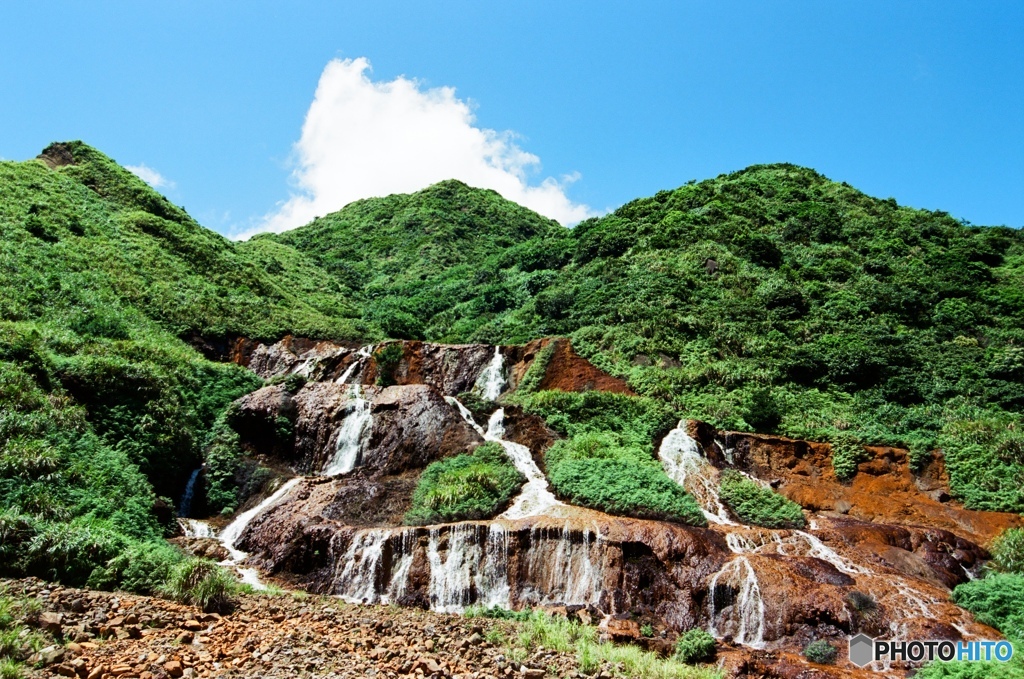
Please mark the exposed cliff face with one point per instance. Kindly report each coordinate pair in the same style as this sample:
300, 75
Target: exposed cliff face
885, 489
889, 535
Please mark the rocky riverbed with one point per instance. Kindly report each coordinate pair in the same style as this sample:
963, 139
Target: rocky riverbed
101, 635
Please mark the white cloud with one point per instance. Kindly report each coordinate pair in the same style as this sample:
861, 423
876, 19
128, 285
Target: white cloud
150, 176
363, 138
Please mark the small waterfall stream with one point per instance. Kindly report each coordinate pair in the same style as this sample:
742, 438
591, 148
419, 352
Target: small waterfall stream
492, 380
683, 462
535, 499
735, 604
229, 536
351, 435
358, 363
185, 505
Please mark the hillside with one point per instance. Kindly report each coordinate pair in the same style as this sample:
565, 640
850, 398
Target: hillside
771, 299
444, 262
103, 404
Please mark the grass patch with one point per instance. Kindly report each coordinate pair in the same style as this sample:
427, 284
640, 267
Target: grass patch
754, 504
18, 640
821, 652
1008, 552
476, 485
600, 471
204, 584
558, 634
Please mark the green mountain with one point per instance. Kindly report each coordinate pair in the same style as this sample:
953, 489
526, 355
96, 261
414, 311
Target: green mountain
770, 299
103, 403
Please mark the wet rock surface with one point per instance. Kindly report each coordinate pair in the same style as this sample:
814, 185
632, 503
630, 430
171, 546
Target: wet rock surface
890, 537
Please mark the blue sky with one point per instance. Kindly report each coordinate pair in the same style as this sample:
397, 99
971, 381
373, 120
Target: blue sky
921, 101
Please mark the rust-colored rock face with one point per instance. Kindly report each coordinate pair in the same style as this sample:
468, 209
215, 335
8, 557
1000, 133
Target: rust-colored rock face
885, 490
566, 370
880, 553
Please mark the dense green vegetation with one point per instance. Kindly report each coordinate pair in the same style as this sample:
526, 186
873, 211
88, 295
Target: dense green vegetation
996, 600
757, 505
104, 404
770, 299
1008, 552
604, 472
607, 461
695, 646
476, 485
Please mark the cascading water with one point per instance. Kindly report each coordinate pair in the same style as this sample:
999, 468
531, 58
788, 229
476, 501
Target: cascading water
466, 415
491, 381
735, 604
229, 536
683, 462
358, 362
358, 579
571, 575
534, 499
185, 506
351, 434
194, 528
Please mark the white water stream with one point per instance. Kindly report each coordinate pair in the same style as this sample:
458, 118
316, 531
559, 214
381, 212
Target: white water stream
351, 435
492, 380
682, 460
745, 619
358, 362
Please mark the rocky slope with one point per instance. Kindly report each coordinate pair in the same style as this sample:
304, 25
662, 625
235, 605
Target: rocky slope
891, 537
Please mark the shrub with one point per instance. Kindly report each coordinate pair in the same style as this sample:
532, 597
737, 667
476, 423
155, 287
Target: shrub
202, 583
598, 471
997, 600
696, 646
387, 359
847, 453
1008, 552
477, 485
859, 601
821, 652
757, 505
647, 630
143, 568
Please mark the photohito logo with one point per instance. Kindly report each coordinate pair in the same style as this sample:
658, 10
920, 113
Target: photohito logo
864, 650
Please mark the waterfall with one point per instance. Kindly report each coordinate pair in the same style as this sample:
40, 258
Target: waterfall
186, 499
358, 579
452, 578
229, 536
472, 570
466, 415
365, 574
681, 457
353, 430
568, 576
357, 362
820, 550
194, 528
492, 583
746, 617
534, 499
491, 381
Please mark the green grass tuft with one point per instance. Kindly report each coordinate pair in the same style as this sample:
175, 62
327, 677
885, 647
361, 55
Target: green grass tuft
756, 504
